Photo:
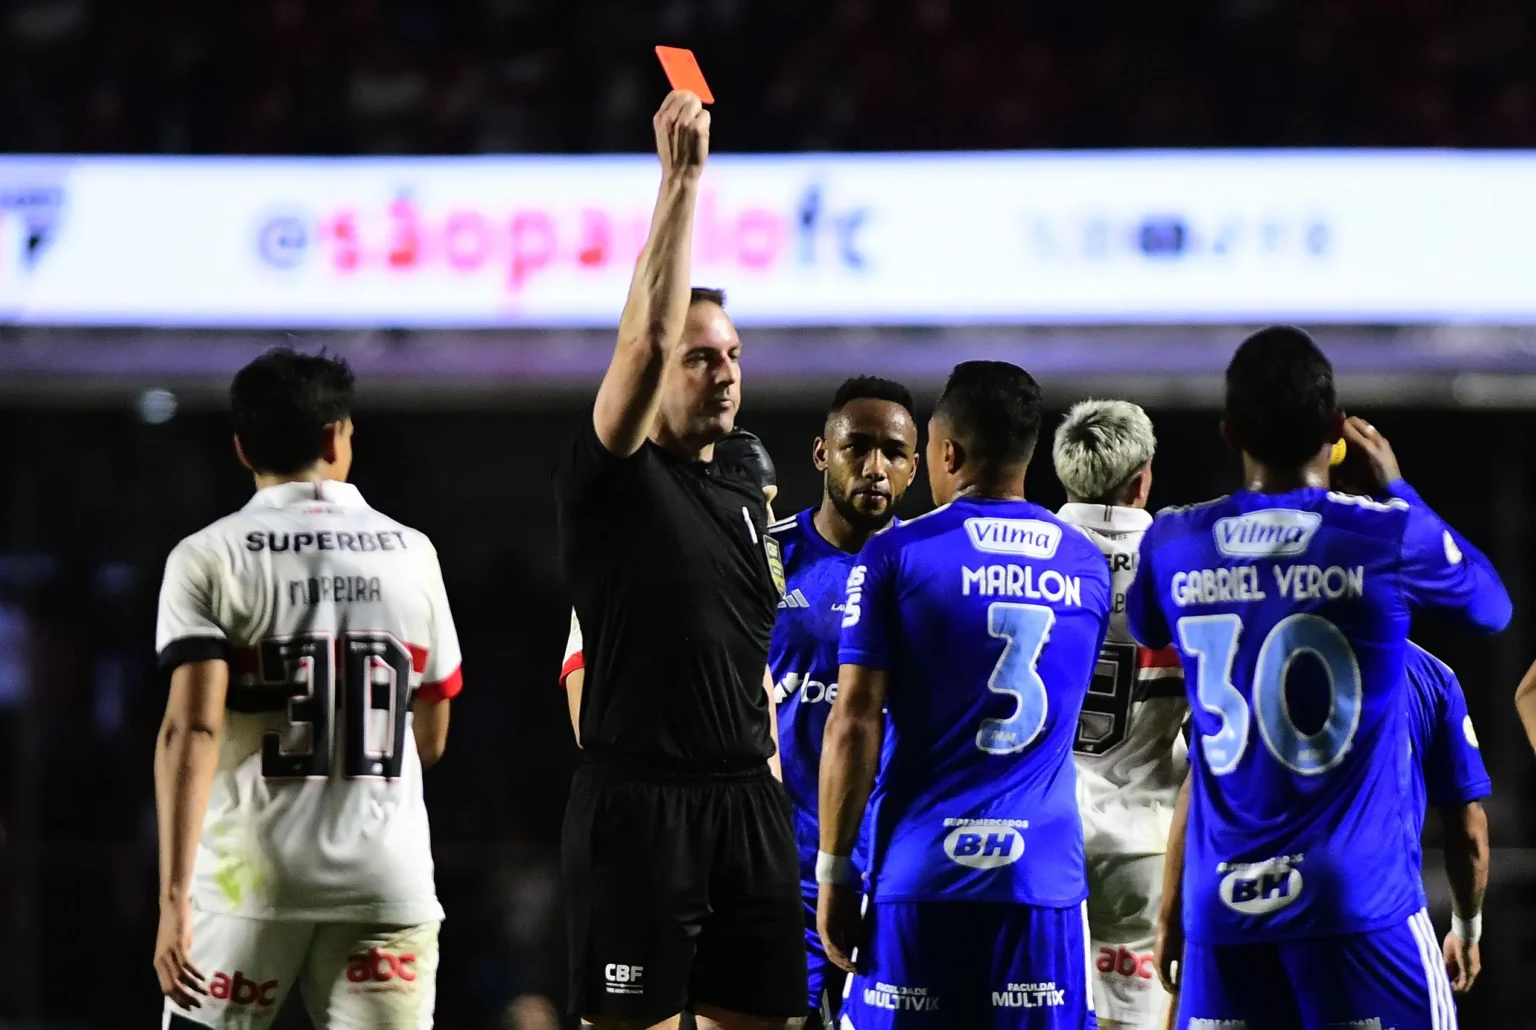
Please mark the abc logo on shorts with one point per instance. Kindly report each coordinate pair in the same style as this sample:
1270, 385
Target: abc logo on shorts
984, 847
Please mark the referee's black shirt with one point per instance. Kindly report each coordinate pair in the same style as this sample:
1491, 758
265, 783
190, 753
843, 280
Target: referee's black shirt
668, 565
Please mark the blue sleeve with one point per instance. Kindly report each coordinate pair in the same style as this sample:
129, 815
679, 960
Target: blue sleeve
1142, 612
869, 609
1454, 773
1441, 569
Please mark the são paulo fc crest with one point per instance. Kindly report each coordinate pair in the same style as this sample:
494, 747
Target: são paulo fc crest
775, 561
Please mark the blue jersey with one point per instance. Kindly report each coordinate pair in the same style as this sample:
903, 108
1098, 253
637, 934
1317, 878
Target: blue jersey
1446, 769
802, 657
988, 617
1291, 614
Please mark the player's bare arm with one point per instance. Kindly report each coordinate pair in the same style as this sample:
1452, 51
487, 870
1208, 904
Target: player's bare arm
1466, 865
850, 758
652, 324
774, 762
429, 722
186, 756
573, 684
1525, 704
1170, 915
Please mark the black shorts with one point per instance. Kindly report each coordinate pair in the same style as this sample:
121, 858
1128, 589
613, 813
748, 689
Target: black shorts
682, 892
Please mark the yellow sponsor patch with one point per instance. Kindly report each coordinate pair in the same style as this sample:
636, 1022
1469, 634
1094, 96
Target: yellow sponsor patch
775, 561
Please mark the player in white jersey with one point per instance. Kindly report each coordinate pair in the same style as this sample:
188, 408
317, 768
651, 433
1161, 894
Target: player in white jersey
1131, 756
312, 658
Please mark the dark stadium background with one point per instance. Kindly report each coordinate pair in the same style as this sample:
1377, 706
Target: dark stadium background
94, 496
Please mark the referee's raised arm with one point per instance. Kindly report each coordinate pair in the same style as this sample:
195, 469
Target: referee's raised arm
652, 324
679, 870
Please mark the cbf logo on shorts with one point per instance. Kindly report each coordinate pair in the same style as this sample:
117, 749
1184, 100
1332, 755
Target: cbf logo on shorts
1258, 888
985, 843
622, 979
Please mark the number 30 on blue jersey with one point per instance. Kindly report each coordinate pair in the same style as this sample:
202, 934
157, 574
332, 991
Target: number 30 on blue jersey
1213, 639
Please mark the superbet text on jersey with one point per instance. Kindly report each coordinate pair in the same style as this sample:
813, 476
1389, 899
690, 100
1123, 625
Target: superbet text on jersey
333, 618
1291, 611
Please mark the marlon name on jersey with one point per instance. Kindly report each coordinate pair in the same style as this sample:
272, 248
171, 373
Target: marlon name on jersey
1024, 538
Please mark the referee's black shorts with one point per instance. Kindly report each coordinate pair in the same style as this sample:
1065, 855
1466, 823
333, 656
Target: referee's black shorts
682, 891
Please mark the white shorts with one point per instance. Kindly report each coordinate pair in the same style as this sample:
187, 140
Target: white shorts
352, 976
1124, 892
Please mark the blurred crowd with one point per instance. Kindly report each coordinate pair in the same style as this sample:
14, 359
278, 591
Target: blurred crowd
512, 76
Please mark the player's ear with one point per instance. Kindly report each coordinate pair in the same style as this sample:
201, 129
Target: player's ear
954, 456
1143, 489
334, 440
240, 453
819, 454
1229, 435
1336, 426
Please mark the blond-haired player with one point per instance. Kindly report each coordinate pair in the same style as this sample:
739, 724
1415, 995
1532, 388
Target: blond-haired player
1130, 753
312, 658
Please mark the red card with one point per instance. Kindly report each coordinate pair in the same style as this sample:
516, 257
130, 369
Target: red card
683, 72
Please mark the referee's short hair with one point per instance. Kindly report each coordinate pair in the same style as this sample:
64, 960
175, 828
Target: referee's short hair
1100, 446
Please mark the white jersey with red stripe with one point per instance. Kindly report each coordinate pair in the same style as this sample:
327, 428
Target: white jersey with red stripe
1131, 755
333, 618
574, 659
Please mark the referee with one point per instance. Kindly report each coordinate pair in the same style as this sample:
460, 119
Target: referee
678, 861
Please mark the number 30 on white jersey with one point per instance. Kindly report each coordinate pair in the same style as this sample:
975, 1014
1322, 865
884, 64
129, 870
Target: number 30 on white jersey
333, 619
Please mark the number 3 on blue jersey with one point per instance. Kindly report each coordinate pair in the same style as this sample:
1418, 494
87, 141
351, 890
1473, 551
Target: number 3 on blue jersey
1212, 639
1025, 627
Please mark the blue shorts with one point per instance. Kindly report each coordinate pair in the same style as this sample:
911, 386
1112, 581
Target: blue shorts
1393, 978
824, 981
965, 965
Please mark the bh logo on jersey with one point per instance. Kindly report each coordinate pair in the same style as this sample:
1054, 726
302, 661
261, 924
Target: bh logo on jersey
380, 970
1262, 887
622, 979
238, 990
984, 845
